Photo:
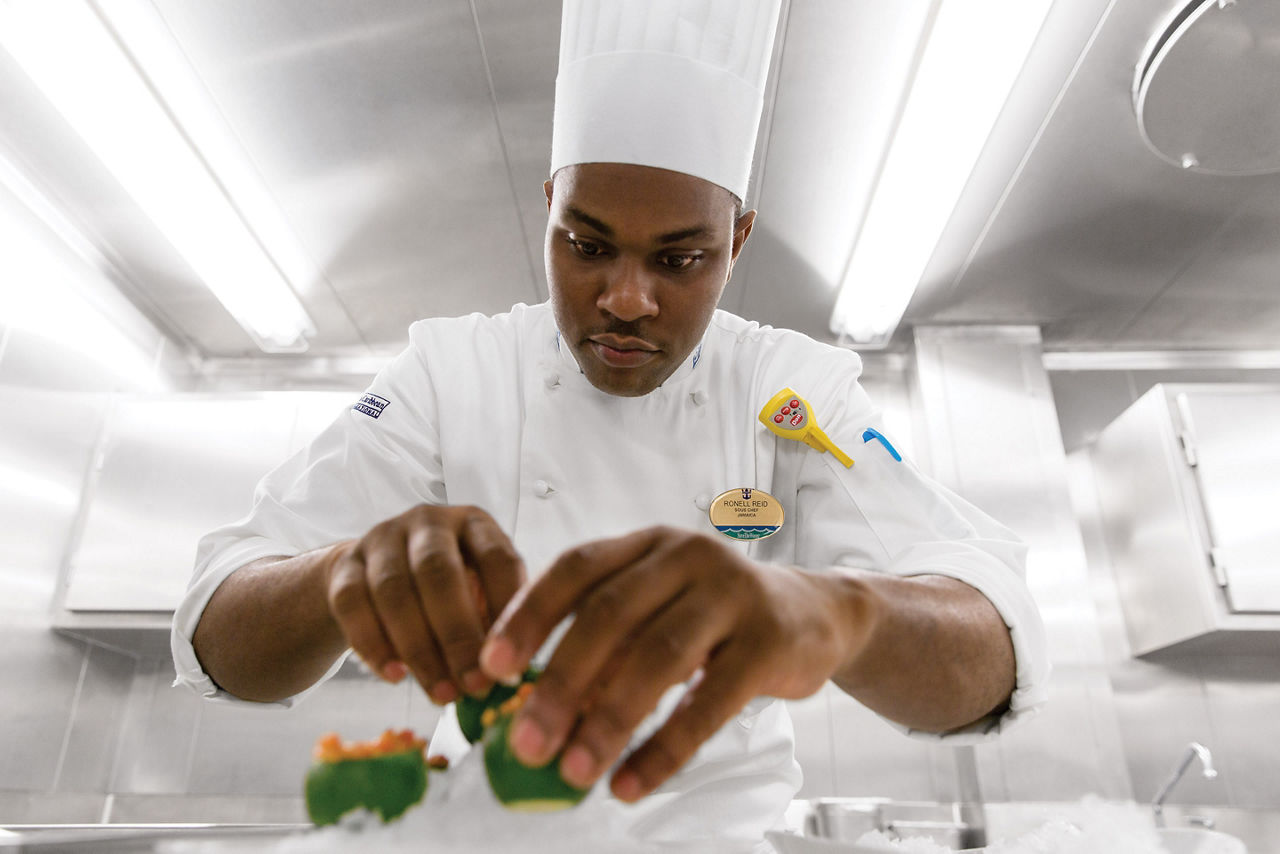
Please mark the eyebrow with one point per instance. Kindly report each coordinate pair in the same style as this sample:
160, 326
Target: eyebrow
607, 230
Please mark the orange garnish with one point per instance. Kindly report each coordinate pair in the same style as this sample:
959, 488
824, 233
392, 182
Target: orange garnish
330, 748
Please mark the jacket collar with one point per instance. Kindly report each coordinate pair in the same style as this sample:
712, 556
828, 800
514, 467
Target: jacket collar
567, 362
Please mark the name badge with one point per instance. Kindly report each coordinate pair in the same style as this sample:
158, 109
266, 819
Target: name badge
746, 514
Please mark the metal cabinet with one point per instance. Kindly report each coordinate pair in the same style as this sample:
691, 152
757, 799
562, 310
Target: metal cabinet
1188, 481
167, 469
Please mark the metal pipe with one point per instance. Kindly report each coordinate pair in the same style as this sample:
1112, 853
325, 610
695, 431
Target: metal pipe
972, 816
1194, 749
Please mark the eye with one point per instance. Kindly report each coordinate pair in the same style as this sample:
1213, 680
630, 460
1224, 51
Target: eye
585, 248
679, 262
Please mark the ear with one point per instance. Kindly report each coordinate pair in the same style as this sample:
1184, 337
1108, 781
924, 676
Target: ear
741, 231
546, 188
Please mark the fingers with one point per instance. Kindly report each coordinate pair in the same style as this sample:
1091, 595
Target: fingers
651, 609
490, 553
418, 592
352, 608
648, 613
726, 687
584, 659
536, 609
395, 601
442, 590
674, 644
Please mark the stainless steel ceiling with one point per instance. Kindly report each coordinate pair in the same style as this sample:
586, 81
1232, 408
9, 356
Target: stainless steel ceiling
406, 143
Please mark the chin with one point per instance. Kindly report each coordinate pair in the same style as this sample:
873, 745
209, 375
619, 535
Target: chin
622, 386
617, 389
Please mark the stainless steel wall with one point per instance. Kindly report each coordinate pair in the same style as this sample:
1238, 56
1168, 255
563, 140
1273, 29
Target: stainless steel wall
1227, 703
89, 733
50, 413
998, 430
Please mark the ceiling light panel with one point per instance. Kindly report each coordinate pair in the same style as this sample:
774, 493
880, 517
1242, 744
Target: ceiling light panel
974, 53
78, 62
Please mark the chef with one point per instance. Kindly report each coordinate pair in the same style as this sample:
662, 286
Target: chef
505, 473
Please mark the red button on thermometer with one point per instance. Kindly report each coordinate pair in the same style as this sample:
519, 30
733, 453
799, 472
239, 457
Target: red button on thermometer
790, 416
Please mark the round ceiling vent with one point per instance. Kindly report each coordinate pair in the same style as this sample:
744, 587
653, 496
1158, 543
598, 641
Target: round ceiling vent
1207, 92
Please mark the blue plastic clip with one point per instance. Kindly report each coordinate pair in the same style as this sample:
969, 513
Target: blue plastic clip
869, 434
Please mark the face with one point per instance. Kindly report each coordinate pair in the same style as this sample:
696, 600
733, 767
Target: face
637, 258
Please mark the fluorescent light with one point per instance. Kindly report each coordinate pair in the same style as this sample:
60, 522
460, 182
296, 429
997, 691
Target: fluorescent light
48, 284
80, 66
975, 50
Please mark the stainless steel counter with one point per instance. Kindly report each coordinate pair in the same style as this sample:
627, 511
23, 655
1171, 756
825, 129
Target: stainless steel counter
1258, 829
134, 838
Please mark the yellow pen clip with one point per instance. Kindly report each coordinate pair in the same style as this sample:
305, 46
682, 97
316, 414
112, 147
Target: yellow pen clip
791, 417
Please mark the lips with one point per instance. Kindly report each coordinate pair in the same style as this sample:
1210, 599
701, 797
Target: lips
623, 342
618, 351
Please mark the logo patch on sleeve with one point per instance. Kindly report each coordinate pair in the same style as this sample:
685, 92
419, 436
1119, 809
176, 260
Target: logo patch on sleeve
371, 405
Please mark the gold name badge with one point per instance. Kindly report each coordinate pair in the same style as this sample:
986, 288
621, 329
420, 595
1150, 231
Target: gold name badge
746, 514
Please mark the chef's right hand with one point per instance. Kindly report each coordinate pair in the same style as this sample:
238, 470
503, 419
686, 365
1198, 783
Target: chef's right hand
418, 593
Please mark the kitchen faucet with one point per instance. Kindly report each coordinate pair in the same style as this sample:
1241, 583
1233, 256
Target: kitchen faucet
1194, 749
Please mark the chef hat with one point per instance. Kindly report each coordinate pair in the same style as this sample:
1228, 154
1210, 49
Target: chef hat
676, 84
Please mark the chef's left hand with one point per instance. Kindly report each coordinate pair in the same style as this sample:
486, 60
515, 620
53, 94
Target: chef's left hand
652, 608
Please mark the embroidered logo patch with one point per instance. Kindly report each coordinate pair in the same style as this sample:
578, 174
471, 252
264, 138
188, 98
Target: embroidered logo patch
371, 405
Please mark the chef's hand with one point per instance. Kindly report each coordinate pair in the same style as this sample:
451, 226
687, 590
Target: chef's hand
652, 609
418, 592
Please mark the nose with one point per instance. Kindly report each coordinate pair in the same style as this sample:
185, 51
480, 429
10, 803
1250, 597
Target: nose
628, 293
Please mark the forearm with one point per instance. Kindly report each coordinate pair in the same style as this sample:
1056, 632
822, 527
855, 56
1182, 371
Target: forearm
932, 653
267, 632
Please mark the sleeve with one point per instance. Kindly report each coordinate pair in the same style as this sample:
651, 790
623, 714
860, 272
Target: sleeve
376, 460
884, 514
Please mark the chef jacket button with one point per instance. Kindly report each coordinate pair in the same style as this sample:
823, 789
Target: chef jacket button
702, 502
700, 397
551, 380
541, 488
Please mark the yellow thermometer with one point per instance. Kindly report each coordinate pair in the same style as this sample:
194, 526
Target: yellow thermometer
790, 416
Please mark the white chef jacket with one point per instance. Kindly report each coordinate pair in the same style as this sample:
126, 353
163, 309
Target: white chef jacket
494, 412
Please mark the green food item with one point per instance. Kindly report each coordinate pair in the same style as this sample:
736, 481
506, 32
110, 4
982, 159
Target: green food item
470, 709
518, 786
385, 777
